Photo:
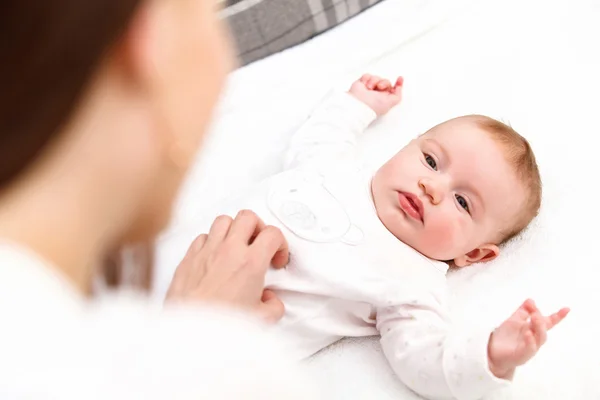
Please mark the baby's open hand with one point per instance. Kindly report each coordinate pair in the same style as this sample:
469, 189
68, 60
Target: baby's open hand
519, 338
377, 93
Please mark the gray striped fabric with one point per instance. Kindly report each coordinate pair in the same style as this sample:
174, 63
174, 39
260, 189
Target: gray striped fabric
263, 27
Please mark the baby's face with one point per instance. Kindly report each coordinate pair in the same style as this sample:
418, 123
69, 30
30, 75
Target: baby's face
449, 192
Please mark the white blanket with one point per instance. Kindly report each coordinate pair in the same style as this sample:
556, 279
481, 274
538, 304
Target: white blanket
532, 63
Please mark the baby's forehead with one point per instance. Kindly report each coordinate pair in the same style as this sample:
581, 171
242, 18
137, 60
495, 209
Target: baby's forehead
460, 127
466, 137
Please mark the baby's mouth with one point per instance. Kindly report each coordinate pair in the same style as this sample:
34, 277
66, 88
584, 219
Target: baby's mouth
411, 205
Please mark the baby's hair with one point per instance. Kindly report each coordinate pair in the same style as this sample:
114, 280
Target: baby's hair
519, 154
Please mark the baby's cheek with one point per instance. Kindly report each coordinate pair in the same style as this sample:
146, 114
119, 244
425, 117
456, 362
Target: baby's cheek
444, 235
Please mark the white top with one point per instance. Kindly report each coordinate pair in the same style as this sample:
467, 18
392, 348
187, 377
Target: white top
54, 344
348, 275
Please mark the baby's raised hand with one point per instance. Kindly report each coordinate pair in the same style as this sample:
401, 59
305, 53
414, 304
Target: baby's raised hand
519, 338
377, 93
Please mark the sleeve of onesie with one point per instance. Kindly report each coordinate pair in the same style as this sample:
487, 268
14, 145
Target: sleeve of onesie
330, 131
429, 358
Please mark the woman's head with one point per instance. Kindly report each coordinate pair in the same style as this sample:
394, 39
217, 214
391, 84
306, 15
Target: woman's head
108, 96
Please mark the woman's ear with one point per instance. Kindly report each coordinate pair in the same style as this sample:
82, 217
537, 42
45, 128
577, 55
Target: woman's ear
484, 253
136, 50
145, 48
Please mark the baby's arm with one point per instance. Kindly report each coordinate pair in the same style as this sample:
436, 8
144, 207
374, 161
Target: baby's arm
439, 364
332, 129
428, 357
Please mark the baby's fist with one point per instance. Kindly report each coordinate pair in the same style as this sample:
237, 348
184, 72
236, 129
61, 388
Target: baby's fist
377, 93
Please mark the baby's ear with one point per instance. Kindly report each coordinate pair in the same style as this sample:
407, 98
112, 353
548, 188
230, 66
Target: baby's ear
484, 253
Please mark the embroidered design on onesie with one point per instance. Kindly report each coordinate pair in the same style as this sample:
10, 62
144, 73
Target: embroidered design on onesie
310, 211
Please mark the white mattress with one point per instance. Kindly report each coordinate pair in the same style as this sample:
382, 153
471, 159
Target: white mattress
534, 64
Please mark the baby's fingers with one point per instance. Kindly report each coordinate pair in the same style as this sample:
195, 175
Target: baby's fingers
555, 318
399, 82
384, 85
524, 311
365, 79
538, 325
373, 82
530, 341
397, 88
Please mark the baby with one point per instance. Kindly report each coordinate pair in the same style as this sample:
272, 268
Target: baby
369, 251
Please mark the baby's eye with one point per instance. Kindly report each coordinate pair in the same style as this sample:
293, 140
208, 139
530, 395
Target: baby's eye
431, 162
463, 203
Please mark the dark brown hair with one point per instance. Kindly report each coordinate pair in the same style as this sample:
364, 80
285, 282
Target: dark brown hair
50, 50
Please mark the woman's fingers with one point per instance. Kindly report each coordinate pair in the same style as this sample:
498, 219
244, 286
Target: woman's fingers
218, 231
227, 265
271, 308
196, 246
270, 247
281, 258
268, 241
246, 226
187, 272
198, 243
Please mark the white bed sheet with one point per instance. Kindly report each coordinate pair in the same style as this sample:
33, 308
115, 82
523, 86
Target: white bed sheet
531, 63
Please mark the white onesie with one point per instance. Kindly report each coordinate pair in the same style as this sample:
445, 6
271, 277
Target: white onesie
348, 275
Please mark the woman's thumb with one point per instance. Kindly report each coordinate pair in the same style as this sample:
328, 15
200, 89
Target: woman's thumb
271, 308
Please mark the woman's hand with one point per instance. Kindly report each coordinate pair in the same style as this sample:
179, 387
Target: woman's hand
229, 265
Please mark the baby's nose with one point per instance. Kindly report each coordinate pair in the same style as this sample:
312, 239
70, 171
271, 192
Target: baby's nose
433, 190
